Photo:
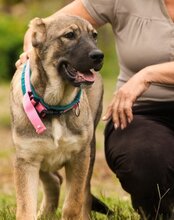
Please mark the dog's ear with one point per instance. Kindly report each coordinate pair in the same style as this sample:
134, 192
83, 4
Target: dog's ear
38, 32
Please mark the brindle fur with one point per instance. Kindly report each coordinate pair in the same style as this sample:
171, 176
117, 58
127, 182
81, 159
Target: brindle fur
69, 141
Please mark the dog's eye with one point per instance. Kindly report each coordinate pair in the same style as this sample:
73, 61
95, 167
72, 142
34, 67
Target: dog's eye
70, 35
94, 35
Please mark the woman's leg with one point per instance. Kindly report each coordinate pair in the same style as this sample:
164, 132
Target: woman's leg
142, 157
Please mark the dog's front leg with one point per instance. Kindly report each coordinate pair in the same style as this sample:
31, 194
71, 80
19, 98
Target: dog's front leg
26, 183
87, 206
51, 186
76, 174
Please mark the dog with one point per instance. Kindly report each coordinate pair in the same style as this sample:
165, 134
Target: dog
56, 103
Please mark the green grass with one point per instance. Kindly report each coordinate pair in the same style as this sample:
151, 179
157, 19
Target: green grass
122, 210
7, 207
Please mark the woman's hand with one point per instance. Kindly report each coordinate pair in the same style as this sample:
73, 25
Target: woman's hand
120, 108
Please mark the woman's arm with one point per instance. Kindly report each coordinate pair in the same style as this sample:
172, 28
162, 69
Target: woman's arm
120, 108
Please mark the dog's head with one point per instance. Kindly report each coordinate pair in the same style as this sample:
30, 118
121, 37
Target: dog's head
68, 44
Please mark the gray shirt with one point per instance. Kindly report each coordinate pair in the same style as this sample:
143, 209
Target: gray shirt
144, 34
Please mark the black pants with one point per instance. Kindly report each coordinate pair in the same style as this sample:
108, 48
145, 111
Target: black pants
142, 157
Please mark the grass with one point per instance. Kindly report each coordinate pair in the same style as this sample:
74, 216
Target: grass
7, 204
122, 210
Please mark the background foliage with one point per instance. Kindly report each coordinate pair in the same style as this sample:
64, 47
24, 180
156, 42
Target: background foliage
14, 18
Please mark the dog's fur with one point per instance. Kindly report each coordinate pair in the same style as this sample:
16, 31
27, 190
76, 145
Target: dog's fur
69, 140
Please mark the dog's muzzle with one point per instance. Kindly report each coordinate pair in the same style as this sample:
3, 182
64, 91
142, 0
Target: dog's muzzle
82, 74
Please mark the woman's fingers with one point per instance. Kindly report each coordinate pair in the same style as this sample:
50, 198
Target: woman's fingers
120, 110
18, 63
121, 114
115, 111
22, 59
128, 110
108, 113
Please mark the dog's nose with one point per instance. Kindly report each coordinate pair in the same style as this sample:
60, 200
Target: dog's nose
96, 55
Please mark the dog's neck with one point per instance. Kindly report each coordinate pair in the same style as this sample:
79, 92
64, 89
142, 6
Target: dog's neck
53, 89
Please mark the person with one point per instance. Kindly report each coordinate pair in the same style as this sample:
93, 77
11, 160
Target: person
139, 134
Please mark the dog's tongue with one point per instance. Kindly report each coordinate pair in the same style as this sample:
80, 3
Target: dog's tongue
85, 77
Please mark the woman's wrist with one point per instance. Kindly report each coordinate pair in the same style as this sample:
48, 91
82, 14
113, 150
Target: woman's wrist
160, 73
145, 75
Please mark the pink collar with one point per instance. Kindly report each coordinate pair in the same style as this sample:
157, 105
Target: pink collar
28, 104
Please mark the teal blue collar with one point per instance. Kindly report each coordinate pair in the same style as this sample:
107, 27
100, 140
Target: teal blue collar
50, 109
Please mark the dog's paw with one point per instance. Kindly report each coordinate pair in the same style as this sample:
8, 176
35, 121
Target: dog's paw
72, 214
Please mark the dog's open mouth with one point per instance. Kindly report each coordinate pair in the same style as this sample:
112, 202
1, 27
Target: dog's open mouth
77, 77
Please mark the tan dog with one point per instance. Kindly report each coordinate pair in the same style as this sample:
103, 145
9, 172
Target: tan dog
63, 56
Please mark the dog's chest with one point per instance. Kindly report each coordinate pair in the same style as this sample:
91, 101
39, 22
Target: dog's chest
66, 145
63, 137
